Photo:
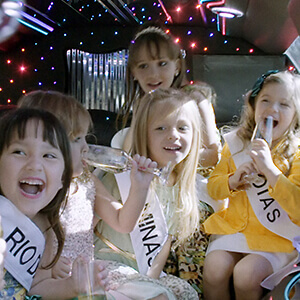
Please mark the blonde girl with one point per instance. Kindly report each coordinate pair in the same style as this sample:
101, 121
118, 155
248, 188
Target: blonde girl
248, 244
167, 128
156, 61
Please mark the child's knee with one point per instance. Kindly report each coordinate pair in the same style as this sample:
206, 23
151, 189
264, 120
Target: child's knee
245, 277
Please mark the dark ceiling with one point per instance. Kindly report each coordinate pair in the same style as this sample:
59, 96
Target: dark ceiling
270, 25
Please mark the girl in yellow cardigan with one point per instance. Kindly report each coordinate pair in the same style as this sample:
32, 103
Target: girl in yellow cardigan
252, 237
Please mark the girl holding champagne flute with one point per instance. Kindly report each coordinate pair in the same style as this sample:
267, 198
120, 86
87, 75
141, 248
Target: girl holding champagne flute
88, 200
252, 238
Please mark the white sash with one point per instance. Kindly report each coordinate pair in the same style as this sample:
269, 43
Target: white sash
151, 233
25, 243
267, 210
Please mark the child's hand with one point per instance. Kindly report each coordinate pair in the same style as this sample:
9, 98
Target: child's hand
261, 155
142, 169
83, 271
62, 268
237, 181
262, 158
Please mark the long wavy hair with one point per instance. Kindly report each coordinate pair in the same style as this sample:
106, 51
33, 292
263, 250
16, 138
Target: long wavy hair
290, 141
168, 101
150, 36
15, 122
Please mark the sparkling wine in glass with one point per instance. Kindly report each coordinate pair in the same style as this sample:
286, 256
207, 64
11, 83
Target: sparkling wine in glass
263, 130
115, 160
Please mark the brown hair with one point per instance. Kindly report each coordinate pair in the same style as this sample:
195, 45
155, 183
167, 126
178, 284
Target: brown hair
14, 122
148, 36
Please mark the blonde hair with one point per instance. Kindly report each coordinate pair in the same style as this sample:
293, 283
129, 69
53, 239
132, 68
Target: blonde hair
66, 108
149, 37
187, 212
290, 141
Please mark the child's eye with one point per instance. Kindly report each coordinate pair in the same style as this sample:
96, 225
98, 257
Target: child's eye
142, 66
163, 63
264, 100
160, 128
49, 155
184, 128
284, 104
19, 152
77, 139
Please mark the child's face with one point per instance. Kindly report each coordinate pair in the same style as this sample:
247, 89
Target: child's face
170, 138
274, 100
154, 73
78, 148
31, 170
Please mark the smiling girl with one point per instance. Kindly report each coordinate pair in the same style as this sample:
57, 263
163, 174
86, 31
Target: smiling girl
35, 173
167, 129
252, 238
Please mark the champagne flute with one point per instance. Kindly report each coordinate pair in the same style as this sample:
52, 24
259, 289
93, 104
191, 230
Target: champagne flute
263, 130
90, 289
117, 161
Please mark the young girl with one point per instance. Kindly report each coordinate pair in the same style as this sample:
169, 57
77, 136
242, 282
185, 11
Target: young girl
252, 236
167, 129
35, 174
156, 61
87, 193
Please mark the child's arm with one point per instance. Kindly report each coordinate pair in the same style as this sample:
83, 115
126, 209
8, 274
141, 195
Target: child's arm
123, 218
160, 260
209, 154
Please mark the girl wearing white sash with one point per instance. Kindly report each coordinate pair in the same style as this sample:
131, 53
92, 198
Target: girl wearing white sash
252, 238
87, 198
167, 128
35, 173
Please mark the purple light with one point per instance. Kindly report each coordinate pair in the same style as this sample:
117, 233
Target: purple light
34, 20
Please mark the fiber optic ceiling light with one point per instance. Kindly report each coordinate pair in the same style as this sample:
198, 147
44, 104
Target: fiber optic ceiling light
227, 12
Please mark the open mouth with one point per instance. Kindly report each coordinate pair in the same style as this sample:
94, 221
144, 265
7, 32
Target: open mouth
275, 122
31, 187
177, 148
154, 86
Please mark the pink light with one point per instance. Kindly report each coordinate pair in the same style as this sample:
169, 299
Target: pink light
223, 26
22, 68
8, 61
178, 9
202, 12
214, 3
177, 40
169, 18
193, 45
251, 50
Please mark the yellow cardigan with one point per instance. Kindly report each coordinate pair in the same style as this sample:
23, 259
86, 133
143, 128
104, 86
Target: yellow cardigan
240, 217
